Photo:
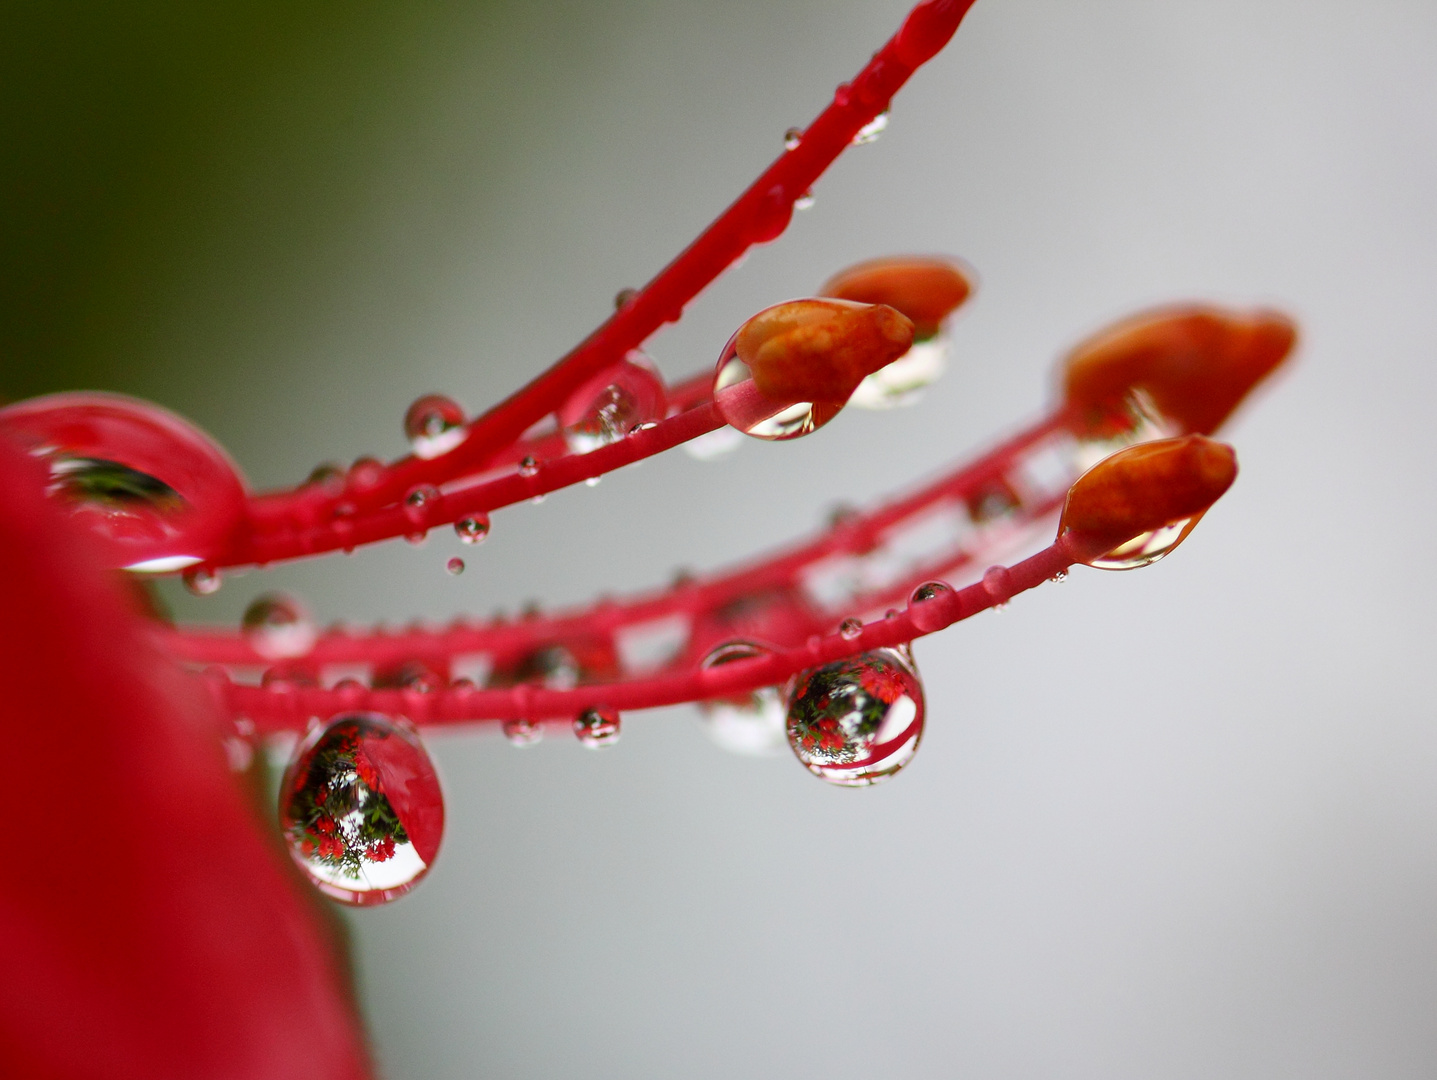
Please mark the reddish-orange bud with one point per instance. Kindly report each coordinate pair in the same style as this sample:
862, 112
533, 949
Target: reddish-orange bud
925, 289
820, 350
1146, 488
1195, 363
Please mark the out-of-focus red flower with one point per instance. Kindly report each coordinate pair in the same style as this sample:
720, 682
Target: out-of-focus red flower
145, 960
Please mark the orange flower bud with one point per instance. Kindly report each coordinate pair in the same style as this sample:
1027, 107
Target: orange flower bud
925, 289
820, 350
1142, 490
1196, 363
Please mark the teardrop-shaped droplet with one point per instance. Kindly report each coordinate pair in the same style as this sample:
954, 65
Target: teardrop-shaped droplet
361, 809
597, 727
614, 403
473, 529
857, 721
434, 425
202, 580
521, 731
923, 610
750, 723
870, 131
455, 566
1146, 548
277, 627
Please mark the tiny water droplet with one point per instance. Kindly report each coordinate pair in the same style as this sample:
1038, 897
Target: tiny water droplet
793, 138
598, 727
328, 477
624, 297
361, 809
923, 610
850, 629
1061, 576
366, 473
523, 732
749, 723
857, 721
202, 580
592, 481
277, 627
804, 201
870, 131
455, 566
528, 466
472, 529
998, 583
434, 425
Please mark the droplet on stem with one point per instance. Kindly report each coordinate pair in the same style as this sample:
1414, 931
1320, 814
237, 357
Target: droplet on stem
793, 138
597, 727
277, 627
612, 404
521, 731
202, 580
924, 611
850, 629
361, 809
472, 529
870, 131
434, 425
528, 466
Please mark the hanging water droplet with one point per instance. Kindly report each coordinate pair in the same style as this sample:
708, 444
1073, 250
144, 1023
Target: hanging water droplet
849, 629
528, 466
522, 731
598, 727
202, 580
1146, 548
277, 627
592, 481
749, 723
804, 201
793, 138
434, 425
870, 131
361, 809
455, 566
857, 721
922, 609
472, 529
624, 297
1060, 577
614, 403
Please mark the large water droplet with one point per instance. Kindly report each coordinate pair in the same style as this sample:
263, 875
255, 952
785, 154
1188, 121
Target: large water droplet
746, 408
608, 407
361, 809
903, 381
434, 425
857, 721
750, 723
1146, 548
472, 529
598, 727
277, 627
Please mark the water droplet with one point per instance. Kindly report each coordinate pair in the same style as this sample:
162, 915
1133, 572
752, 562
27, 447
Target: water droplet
1146, 548
624, 297
750, 723
849, 629
422, 504
592, 481
607, 408
366, 473
870, 131
993, 502
328, 478
109, 483
804, 201
1060, 577
413, 675
857, 721
998, 584
202, 580
597, 727
434, 425
455, 566
923, 611
277, 627
472, 529
793, 138
528, 466
523, 732
902, 382
361, 809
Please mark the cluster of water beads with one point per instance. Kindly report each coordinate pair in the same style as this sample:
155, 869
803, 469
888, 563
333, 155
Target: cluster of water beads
751, 723
858, 720
434, 425
277, 627
612, 404
361, 809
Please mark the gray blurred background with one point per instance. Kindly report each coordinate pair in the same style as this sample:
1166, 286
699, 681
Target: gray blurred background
1177, 823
